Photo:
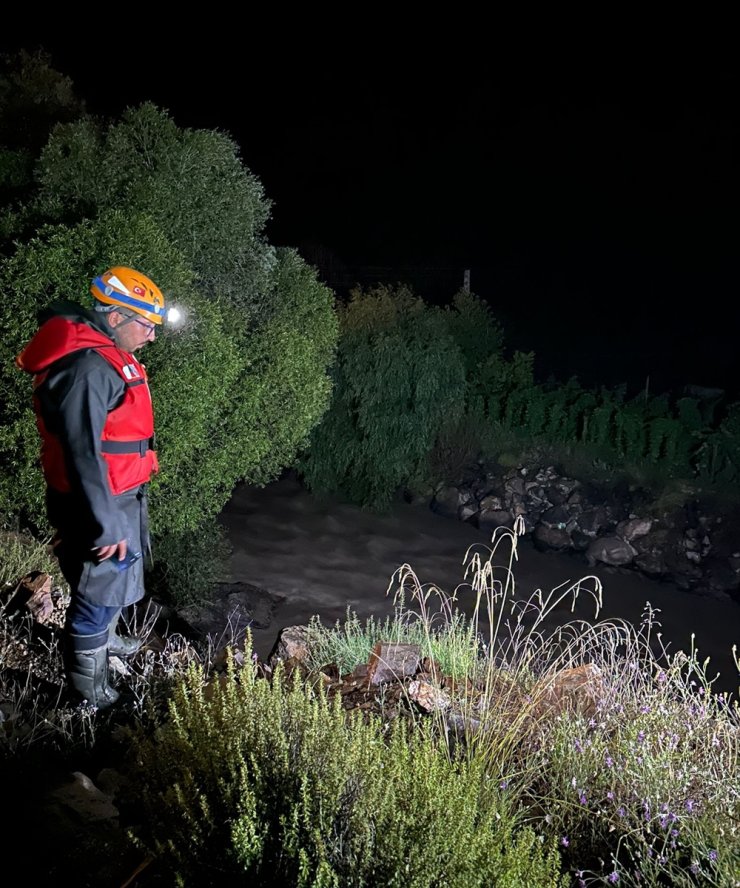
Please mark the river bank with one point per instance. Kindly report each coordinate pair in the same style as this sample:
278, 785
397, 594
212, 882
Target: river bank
309, 555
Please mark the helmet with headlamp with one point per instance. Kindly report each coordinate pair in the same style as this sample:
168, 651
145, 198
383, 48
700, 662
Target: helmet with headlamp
130, 289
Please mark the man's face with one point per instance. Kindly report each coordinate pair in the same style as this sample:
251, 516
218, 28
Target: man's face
131, 333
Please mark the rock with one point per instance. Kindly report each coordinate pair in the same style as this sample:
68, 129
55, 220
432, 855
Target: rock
557, 516
85, 799
592, 521
392, 661
229, 612
291, 644
610, 550
634, 528
427, 696
447, 502
490, 520
546, 537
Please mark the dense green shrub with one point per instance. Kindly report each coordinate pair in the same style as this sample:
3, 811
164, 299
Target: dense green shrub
399, 378
237, 389
274, 783
191, 182
477, 333
186, 566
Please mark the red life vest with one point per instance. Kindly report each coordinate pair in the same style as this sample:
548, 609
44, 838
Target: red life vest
127, 441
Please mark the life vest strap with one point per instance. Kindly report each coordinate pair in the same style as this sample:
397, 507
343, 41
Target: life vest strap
141, 447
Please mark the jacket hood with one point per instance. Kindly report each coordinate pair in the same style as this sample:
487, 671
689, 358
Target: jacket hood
65, 329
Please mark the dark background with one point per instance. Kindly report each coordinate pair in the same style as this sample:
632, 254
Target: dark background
593, 196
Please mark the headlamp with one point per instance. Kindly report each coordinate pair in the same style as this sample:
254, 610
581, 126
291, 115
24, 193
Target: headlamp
174, 317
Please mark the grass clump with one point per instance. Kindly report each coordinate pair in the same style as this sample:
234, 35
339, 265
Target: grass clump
274, 782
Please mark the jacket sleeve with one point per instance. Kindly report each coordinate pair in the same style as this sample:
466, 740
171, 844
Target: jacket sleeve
75, 401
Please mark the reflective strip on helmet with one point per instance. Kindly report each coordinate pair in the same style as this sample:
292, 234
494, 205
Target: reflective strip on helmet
129, 300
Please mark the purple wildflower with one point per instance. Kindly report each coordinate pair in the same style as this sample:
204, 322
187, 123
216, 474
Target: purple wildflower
577, 744
613, 877
582, 797
609, 761
712, 855
565, 842
504, 784
640, 736
610, 796
690, 806
621, 812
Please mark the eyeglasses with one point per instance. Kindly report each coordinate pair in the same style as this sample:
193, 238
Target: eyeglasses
150, 328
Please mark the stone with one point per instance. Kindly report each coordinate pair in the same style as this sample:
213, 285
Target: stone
490, 520
546, 537
82, 796
427, 696
392, 661
634, 528
291, 644
610, 550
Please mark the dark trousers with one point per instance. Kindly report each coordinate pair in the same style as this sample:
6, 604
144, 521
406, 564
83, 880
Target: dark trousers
87, 625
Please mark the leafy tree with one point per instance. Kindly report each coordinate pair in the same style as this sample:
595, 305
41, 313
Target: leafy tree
239, 388
475, 330
191, 182
399, 378
34, 97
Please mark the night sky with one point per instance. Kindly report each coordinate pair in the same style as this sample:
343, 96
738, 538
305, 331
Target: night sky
594, 199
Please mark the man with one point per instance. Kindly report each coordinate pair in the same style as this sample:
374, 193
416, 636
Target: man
94, 415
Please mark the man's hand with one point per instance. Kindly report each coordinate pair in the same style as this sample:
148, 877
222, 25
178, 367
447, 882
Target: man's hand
104, 552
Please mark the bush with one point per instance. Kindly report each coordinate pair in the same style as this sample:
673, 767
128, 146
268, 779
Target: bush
186, 566
398, 379
276, 784
238, 389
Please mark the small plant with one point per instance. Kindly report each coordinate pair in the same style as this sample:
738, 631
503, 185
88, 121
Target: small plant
272, 781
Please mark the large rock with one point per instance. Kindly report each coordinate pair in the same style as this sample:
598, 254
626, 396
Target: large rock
610, 550
546, 537
291, 644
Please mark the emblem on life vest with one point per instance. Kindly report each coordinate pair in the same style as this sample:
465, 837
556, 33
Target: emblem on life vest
130, 371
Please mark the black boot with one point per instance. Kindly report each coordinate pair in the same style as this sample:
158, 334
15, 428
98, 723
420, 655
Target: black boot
121, 645
87, 673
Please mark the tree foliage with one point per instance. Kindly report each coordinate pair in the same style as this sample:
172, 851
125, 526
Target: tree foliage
237, 390
33, 99
399, 378
191, 182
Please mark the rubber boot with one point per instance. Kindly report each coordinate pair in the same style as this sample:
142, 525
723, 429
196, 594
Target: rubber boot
87, 673
121, 645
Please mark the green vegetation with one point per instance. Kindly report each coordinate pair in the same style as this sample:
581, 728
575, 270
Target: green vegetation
629, 776
239, 387
398, 377
274, 782
518, 775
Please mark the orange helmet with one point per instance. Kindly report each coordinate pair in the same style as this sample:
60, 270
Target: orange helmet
130, 289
